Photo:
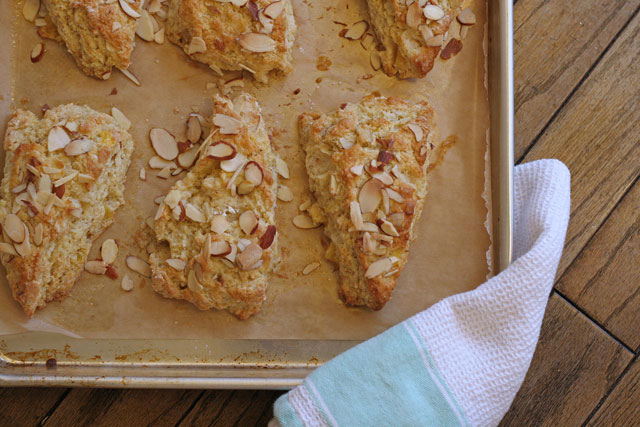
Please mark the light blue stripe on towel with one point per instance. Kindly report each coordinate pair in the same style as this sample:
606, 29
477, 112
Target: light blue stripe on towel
368, 386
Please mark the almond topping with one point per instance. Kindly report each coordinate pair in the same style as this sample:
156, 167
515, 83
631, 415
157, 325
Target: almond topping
138, 265
158, 37
194, 129
249, 257
219, 224
310, 268
120, 118
414, 15
109, 251
388, 228
417, 131
194, 213
14, 227
127, 283
282, 168
368, 244
375, 60
383, 177
357, 170
188, 158
397, 219
192, 281
253, 173
467, 17
38, 234
426, 32
7, 248
37, 52
78, 146
245, 188
57, 139
176, 264
433, 12
24, 248
267, 238
357, 30
369, 226
248, 222
30, 9
144, 30
394, 195
435, 41
369, 196
274, 9
128, 74
235, 164
256, 42
378, 267
227, 124
197, 45
143, 174
157, 163
65, 179
220, 248
356, 215
284, 193
304, 221
163, 143
95, 267
126, 8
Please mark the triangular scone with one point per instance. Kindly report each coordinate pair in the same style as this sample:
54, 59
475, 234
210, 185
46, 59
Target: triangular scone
63, 182
98, 34
216, 226
256, 36
412, 33
367, 169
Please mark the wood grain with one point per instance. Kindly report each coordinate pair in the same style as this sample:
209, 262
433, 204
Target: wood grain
597, 136
604, 280
226, 408
574, 365
27, 406
621, 406
555, 44
104, 407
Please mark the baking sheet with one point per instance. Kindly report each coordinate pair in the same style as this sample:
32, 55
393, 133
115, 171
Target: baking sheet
449, 255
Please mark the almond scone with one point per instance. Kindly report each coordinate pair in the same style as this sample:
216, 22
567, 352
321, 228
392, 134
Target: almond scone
98, 34
216, 227
255, 35
367, 169
412, 33
63, 182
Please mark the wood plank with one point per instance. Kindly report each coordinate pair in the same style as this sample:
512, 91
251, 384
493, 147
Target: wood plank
596, 135
621, 406
27, 406
111, 407
574, 365
555, 44
226, 408
604, 280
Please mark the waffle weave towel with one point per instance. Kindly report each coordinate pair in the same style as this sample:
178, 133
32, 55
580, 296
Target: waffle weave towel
461, 361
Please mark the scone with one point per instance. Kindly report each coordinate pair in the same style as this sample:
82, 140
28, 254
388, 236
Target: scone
63, 182
216, 228
98, 34
255, 35
367, 170
411, 32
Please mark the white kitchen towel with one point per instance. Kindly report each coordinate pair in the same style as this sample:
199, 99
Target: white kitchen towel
461, 361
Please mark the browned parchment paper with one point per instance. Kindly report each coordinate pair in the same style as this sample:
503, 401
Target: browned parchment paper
449, 255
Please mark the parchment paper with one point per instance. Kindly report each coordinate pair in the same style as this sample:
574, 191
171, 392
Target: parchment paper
448, 256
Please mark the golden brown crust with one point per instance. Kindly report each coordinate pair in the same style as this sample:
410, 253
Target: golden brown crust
354, 136
98, 35
220, 283
406, 53
61, 228
220, 24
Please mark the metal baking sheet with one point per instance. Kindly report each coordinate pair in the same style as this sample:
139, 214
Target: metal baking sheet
38, 358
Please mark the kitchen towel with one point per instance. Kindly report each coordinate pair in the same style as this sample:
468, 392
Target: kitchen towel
462, 361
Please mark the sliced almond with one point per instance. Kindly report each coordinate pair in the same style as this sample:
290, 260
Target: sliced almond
192, 281
243, 243
385, 201
127, 283
382, 237
357, 170
7, 248
397, 219
126, 8
219, 224
188, 158
367, 41
248, 222
78, 146
194, 129
378, 267
310, 268
383, 177
266, 22
95, 267
128, 74
256, 42
435, 41
120, 118
197, 45
37, 52
239, 3
369, 196
24, 248
194, 213
369, 226
57, 139
304, 221
253, 173
143, 174
248, 258
227, 124
60, 182
176, 264
84, 178
220, 248
282, 168
375, 60
426, 32
30, 9
266, 240
467, 17
274, 9
464, 31
158, 37
14, 227
138, 265
388, 228
221, 150
245, 188
394, 195
414, 15
357, 30
172, 198
356, 215
19, 188
158, 163
433, 12
109, 251
163, 143
284, 193
38, 234
144, 29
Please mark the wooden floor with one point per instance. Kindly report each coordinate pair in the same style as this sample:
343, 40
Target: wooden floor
577, 100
